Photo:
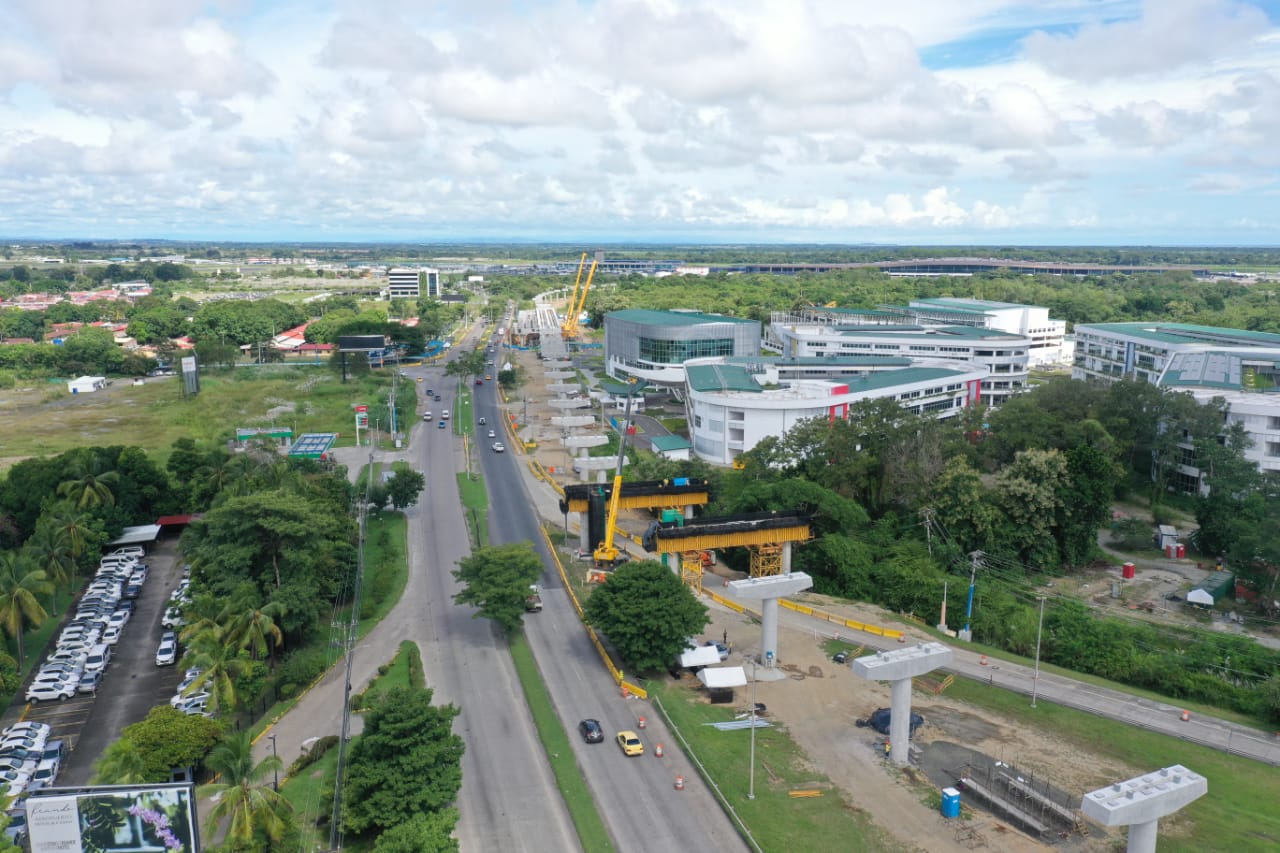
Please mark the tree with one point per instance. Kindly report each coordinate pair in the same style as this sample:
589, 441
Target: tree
497, 581
254, 630
407, 762
19, 603
89, 485
47, 550
167, 738
422, 833
122, 763
647, 613
1029, 495
404, 487
244, 796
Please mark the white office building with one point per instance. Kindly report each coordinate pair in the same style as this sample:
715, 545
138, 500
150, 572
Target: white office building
733, 403
1048, 343
1239, 366
1004, 356
407, 283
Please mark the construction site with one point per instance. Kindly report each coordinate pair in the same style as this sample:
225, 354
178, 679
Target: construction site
1020, 790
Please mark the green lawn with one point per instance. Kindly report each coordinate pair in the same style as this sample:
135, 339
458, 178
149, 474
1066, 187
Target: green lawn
1238, 813
776, 820
404, 670
386, 566
475, 501
154, 415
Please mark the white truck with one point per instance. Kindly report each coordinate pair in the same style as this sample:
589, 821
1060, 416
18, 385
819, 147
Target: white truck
533, 601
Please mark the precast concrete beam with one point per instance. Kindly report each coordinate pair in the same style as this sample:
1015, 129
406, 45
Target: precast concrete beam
564, 387
595, 463
574, 421
558, 374
569, 404
581, 441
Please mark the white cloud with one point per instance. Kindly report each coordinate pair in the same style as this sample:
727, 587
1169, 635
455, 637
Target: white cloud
1167, 35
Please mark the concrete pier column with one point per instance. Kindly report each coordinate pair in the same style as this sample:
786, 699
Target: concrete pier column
767, 590
786, 558
1139, 803
898, 667
584, 535
688, 512
900, 721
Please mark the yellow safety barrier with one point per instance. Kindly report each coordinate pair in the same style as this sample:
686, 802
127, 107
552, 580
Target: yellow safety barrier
799, 794
891, 633
618, 677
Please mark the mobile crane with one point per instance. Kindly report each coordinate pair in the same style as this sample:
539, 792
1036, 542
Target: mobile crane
607, 555
578, 300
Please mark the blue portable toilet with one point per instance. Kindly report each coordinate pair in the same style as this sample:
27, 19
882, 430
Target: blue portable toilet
950, 802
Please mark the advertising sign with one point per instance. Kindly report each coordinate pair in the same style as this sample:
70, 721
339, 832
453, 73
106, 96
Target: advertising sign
113, 819
362, 417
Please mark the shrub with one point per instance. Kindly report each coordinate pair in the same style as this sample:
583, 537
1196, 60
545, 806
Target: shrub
314, 754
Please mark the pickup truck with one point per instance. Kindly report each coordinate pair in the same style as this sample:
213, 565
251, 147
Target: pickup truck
533, 601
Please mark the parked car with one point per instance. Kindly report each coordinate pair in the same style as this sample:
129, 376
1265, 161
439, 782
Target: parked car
44, 692
132, 591
16, 831
630, 743
591, 731
25, 727
167, 653
44, 776
119, 618
195, 705
721, 649
201, 696
11, 764
189, 678
172, 617
90, 681
111, 636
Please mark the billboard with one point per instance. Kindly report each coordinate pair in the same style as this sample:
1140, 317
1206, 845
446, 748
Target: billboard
360, 343
113, 819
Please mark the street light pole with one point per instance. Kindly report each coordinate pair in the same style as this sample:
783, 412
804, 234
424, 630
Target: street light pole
1035, 679
275, 785
751, 789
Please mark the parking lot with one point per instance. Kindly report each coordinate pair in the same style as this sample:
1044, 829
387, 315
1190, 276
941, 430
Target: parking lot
132, 685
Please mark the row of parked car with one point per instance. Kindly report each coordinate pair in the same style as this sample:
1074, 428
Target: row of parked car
83, 651
29, 760
185, 698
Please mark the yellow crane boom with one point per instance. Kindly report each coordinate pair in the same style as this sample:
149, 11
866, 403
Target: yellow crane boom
573, 297
606, 553
575, 311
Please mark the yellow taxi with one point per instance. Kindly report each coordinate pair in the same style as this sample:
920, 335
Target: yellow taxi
630, 743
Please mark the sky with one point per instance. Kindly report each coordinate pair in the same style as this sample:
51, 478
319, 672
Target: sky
759, 121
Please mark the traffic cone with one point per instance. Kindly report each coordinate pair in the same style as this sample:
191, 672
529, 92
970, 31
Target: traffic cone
984, 660
642, 722
1186, 715
679, 783
657, 751
626, 694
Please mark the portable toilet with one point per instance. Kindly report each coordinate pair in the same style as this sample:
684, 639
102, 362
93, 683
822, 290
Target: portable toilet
950, 802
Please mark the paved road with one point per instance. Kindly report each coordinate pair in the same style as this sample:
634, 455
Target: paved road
635, 796
508, 799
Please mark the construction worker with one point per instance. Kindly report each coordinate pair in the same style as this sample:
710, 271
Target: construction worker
886, 747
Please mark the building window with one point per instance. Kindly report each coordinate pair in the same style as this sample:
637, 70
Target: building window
661, 351
1273, 423
1273, 448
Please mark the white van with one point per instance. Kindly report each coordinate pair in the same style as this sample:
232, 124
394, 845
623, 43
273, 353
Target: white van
445, 414
130, 551
99, 657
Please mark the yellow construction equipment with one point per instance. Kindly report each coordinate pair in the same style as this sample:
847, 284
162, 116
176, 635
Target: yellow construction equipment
573, 297
607, 555
570, 327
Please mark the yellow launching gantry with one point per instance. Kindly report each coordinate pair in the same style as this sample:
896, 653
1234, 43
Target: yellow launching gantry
577, 301
768, 534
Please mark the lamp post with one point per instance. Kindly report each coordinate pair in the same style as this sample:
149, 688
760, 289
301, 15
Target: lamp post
751, 788
275, 785
1035, 679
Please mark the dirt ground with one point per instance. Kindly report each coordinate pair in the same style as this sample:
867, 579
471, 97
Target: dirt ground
819, 702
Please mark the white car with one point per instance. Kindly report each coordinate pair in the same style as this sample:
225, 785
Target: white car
167, 653
499, 447
26, 727
47, 691
119, 619
172, 618
110, 637
492, 434
179, 700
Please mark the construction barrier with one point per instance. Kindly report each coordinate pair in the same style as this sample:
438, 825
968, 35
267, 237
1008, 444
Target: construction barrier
890, 633
618, 678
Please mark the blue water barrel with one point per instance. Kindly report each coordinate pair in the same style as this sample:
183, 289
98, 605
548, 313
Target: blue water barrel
950, 802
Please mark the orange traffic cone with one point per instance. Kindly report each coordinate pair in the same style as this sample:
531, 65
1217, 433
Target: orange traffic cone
984, 660
679, 783
1186, 715
657, 751
641, 722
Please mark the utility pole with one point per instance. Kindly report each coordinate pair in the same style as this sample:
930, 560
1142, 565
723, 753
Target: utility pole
967, 633
751, 785
1035, 679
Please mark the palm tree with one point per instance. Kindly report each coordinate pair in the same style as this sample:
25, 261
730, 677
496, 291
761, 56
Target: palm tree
243, 794
89, 485
256, 630
75, 526
19, 606
220, 665
120, 764
47, 549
